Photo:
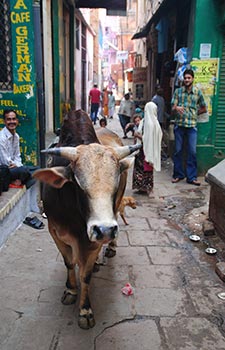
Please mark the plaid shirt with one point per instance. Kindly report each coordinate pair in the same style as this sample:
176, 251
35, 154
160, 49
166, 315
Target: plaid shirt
191, 101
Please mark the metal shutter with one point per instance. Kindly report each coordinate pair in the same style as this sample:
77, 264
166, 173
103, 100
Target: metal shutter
220, 120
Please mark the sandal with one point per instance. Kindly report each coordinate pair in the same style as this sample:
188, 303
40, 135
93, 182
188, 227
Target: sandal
177, 179
194, 182
34, 222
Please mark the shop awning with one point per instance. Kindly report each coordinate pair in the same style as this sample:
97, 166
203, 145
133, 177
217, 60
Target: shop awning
114, 5
163, 8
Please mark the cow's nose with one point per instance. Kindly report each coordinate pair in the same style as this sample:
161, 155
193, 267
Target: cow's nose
105, 232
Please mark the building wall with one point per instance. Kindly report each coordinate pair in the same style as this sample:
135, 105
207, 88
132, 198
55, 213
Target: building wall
206, 26
90, 62
95, 22
78, 67
212, 34
83, 85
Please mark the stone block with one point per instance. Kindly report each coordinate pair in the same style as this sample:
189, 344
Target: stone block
208, 228
194, 334
215, 177
142, 334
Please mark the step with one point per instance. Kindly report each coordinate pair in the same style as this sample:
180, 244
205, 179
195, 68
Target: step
15, 205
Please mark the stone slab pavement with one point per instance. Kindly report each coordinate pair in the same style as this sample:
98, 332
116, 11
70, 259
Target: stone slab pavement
175, 304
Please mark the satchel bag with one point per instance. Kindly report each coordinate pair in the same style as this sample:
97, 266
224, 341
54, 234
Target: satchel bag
5, 178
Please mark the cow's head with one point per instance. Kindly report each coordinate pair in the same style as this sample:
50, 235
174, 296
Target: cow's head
96, 169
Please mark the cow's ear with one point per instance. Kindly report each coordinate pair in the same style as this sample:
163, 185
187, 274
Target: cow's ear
51, 176
126, 164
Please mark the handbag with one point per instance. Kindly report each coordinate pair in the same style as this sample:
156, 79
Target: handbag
5, 178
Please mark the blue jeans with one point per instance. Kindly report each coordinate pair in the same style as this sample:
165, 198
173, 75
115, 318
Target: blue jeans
124, 120
94, 111
21, 173
191, 159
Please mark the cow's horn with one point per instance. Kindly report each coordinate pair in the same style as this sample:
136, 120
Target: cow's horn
66, 152
124, 151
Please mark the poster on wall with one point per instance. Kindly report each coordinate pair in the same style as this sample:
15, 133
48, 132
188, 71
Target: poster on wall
205, 51
206, 77
140, 85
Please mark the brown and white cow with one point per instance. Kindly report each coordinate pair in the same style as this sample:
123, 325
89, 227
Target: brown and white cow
81, 201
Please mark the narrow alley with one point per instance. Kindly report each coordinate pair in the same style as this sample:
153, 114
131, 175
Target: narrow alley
174, 305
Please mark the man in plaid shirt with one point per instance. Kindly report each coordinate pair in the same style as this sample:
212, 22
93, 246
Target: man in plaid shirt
187, 103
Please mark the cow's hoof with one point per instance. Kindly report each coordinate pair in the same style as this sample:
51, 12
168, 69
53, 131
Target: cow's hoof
96, 267
69, 297
110, 253
86, 321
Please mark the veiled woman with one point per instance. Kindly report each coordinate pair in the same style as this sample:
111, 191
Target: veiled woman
149, 133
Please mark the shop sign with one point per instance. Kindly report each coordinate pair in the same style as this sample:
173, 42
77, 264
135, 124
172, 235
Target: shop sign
139, 75
22, 98
121, 55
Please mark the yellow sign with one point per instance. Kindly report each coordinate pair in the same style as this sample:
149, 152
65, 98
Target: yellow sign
206, 76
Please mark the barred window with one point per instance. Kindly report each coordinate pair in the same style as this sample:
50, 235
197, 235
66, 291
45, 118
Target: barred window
5, 47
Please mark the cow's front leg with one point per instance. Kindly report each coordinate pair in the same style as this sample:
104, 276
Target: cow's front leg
86, 318
70, 293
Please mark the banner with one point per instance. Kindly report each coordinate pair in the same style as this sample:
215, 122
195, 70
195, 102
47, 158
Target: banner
206, 76
22, 97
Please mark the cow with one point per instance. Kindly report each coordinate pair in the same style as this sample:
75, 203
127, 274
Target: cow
81, 194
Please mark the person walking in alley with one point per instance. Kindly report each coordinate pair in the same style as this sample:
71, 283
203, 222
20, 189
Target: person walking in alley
111, 104
149, 133
94, 102
187, 103
158, 99
105, 102
10, 151
126, 111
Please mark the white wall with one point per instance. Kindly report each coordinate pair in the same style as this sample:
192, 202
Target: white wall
89, 66
90, 56
78, 78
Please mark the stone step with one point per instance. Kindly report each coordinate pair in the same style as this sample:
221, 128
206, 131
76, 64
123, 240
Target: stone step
15, 205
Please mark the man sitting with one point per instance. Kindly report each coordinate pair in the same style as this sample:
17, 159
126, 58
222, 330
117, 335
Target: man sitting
10, 151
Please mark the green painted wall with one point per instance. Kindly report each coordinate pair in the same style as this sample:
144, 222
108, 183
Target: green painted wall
207, 18
23, 96
63, 55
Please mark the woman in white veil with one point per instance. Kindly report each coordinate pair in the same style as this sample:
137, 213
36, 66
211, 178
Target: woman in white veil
150, 133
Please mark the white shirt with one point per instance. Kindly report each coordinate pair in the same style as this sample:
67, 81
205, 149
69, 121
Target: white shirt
9, 148
126, 107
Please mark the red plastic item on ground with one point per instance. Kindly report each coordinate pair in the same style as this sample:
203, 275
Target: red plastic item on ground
15, 186
127, 289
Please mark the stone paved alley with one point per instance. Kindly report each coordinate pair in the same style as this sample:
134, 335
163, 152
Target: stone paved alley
175, 304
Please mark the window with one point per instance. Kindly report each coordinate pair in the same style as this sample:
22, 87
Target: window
5, 47
139, 90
